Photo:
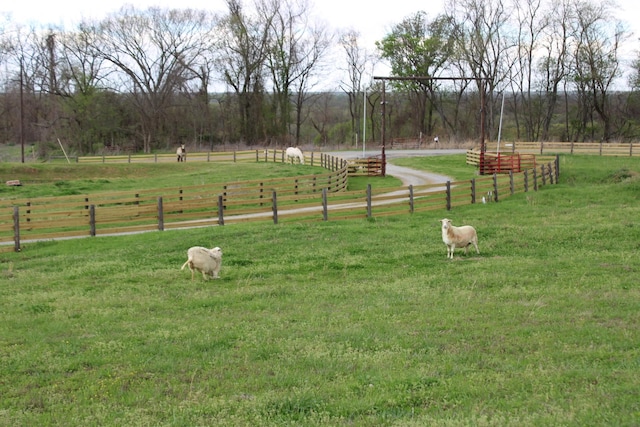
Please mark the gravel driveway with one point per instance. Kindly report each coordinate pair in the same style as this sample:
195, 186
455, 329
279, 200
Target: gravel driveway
408, 176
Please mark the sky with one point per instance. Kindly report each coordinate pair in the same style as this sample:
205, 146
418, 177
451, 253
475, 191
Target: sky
371, 19
365, 16
360, 15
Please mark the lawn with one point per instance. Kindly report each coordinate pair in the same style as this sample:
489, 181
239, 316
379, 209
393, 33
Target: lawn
360, 322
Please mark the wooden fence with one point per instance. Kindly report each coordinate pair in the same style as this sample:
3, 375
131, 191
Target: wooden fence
491, 163
367, 166
312, 158
549, 148
308, 198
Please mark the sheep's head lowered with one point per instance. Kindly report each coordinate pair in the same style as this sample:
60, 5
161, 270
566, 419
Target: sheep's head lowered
207, 261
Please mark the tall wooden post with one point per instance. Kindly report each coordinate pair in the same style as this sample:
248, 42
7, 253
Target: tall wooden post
383, 129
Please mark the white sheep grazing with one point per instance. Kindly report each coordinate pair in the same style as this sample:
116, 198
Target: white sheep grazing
207, 261
458, 237
293, 153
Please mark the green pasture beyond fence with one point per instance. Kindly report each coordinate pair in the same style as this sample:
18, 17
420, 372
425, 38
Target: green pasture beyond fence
306, 198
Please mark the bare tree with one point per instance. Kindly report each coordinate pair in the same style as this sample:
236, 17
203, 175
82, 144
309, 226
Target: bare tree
596, 62
296, 49
483, 39
79, 78
553, 66
241, 52
527, 102
31, 113
357, 61
155, 52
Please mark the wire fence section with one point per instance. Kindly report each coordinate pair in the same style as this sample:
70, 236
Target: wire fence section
321, 197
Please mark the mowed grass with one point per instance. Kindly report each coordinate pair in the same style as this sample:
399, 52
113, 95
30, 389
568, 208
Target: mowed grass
47, 179
361, 322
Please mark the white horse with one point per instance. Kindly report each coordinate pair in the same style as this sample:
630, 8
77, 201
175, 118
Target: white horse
181, 152
294, 152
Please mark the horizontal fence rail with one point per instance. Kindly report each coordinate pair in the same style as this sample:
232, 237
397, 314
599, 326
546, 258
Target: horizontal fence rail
305, 198
550, 148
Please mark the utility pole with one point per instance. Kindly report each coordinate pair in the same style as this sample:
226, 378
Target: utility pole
22, 108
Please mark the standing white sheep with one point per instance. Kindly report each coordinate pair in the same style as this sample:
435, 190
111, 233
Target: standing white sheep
207, 261
181, 152
458, 237
293, 153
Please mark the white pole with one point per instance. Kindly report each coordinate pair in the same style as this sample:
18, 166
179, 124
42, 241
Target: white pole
364, 122
500, 127
64, 152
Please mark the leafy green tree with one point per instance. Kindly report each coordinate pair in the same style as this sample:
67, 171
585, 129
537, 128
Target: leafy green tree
417, 47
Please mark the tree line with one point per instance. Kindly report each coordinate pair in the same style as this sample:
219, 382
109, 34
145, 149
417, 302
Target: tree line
144, 80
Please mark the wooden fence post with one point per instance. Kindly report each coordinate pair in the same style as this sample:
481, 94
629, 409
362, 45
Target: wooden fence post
221, 209
473, 191
526, 180
160, 215
448, 195
495, 187
544, 175
274, 207
92, 220
411, 198
16, 229
325, 210
557, 161
511, 183
368, 200
550, 168
535, 179
261, 193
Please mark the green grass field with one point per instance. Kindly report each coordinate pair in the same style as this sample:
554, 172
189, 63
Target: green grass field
346, 323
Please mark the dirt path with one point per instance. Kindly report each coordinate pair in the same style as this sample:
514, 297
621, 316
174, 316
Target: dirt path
408, 176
